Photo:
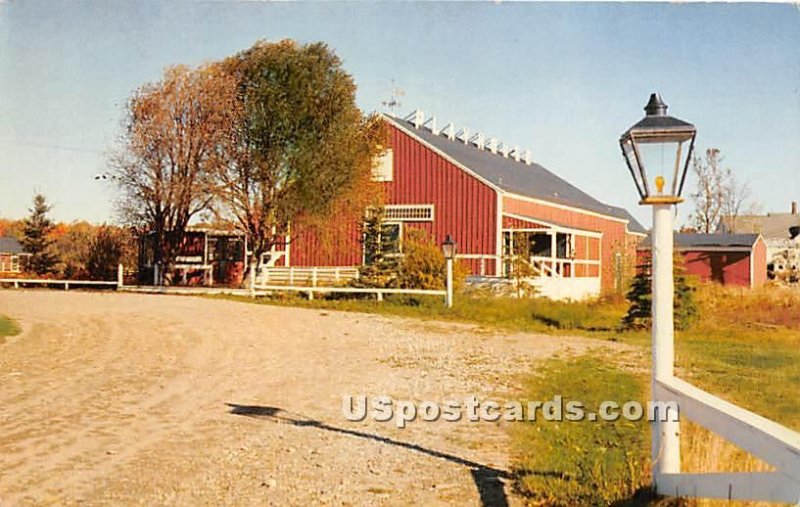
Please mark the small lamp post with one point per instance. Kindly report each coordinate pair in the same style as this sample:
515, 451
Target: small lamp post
657, 150
449, 248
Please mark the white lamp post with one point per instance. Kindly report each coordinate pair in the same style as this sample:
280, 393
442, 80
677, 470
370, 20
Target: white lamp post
449, 249
657, 150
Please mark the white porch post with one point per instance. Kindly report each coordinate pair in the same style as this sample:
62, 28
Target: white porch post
665, 451
252, 284
449, 296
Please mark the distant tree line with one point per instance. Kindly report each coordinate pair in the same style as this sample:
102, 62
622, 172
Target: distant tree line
77, 250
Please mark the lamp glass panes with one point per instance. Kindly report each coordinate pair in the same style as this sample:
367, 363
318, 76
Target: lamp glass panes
657, 150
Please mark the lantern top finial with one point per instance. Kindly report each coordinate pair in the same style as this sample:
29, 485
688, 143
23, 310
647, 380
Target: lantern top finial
656, 106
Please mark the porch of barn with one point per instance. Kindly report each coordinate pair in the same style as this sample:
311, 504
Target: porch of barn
561, 262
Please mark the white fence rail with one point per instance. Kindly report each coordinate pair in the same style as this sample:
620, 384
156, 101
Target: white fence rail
311, 276
17, 282
777, 445
378, 292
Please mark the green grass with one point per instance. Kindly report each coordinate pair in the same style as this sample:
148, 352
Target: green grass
526, 314
583, 463
7, 328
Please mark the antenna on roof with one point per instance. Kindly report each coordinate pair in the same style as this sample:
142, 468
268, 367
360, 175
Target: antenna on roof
393, 103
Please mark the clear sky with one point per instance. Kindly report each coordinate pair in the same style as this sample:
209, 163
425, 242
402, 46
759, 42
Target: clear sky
564, 80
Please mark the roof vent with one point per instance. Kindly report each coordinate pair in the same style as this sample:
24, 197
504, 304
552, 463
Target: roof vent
431, 124
416, 118
478, 139
515, 153
449, 131
491, 143
526, 156
463, 134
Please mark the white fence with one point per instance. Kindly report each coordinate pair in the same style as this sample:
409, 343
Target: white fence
311, 276
378, 292
773, 443
22, 282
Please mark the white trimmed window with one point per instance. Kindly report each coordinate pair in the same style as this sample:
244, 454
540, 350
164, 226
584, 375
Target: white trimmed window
384, 167
408, 213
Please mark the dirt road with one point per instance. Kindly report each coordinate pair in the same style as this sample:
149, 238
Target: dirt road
137, 399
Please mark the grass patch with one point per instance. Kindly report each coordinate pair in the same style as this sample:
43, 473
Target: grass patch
537, 315
7, 328
583, 463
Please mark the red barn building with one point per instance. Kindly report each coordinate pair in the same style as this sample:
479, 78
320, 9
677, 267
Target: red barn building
487, 196
728, 259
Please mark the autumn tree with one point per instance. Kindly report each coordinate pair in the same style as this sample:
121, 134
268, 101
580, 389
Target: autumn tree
301, 152
36, 238
71, 246
173, 132
108, 247
718, 193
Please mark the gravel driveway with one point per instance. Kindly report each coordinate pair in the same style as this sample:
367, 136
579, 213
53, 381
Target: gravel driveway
113, 398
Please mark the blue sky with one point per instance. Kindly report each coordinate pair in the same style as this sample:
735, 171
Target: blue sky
563, 80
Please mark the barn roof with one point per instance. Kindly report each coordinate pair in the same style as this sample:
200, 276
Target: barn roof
771, 225
10, 245
689, 241
530, 180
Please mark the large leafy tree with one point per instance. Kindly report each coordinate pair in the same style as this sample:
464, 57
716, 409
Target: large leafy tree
302, 152
171, 146
36, 238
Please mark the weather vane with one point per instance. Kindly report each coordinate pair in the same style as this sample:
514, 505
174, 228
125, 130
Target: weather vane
393, 103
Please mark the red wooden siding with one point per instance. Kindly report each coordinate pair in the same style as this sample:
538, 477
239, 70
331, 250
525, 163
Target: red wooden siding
464, 207
727, 268
615, 238
307, 249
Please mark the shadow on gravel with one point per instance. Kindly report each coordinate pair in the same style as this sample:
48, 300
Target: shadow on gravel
487, 479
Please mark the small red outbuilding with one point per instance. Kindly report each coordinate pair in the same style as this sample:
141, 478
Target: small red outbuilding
728, 259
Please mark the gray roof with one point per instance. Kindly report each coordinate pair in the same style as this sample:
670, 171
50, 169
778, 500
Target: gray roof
518, 177
771, 225
688, 241
10, 245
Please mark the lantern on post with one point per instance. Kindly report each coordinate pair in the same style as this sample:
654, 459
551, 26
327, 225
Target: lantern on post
658, 150
449, 248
